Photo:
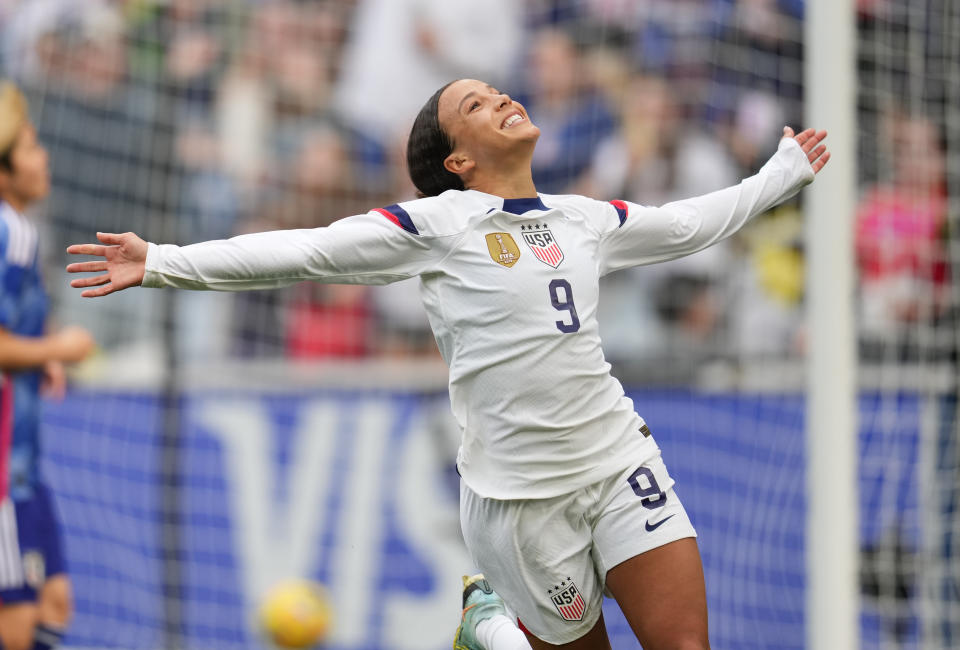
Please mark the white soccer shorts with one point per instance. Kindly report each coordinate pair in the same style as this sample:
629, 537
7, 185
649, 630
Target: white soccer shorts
548, 558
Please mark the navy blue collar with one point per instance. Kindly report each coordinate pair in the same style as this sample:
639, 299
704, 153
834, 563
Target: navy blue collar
519, 206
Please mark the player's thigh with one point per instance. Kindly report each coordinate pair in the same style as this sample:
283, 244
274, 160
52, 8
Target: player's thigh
17, 622
536, 554
662, 595
595, 639
645, 545
56, 601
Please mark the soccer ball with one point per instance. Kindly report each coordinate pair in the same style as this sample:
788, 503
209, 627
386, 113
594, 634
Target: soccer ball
296, 614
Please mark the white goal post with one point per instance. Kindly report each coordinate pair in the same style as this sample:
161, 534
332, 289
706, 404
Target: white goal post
832, 611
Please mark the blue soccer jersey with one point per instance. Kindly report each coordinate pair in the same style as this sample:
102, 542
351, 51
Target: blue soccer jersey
23, 312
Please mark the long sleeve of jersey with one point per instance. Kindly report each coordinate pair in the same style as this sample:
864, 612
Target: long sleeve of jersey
364, 249
645, 235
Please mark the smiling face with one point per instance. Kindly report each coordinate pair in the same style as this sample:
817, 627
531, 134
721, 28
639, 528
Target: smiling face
488, 129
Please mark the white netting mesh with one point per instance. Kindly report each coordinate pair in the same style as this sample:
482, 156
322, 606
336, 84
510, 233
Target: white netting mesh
907, 300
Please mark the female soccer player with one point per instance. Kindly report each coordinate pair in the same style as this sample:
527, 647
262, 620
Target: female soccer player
563, 495
35, 602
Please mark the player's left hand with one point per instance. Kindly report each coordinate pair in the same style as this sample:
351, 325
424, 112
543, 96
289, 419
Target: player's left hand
809, 140
54, 384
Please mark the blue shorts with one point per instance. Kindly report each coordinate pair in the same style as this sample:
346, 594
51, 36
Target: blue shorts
30, 548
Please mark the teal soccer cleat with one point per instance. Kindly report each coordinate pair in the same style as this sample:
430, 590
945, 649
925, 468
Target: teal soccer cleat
480, 602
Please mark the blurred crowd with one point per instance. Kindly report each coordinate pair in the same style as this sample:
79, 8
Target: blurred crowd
186, 120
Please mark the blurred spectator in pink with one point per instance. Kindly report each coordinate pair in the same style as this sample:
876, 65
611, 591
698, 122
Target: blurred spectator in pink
310, 189
900, 242
401, 51
328, 321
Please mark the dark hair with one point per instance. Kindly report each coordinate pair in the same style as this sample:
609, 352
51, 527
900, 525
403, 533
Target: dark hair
427, 147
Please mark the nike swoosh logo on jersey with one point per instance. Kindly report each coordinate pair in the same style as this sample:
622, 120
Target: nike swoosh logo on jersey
657, 525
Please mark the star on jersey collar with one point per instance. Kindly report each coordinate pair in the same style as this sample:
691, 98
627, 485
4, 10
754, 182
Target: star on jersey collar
532, 227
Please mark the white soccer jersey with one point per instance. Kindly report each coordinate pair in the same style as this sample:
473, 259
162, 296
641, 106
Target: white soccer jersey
511, 290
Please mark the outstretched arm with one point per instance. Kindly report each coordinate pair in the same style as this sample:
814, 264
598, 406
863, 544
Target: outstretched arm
645, 235
364, 249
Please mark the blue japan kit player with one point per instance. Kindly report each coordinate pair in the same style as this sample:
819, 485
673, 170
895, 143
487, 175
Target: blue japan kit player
35, 599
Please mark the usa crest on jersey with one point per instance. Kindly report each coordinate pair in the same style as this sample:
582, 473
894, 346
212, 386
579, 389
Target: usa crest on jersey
568, 601
542, 244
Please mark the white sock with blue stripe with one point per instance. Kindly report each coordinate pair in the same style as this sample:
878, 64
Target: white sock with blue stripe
500, 633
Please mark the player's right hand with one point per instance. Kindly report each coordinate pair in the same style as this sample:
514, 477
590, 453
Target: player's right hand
122, 266
73, 343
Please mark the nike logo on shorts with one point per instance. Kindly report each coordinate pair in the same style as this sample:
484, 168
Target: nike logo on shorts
650, 528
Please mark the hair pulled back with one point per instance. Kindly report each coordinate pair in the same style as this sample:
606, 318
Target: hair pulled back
427, 147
